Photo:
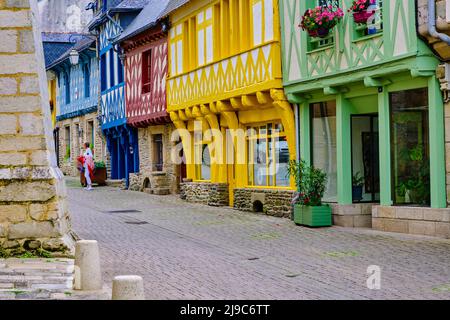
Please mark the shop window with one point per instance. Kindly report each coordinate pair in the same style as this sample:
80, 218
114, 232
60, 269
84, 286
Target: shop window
158, 157
410, 151
112, 68
202, 161
146, 71
268, 156
323, 144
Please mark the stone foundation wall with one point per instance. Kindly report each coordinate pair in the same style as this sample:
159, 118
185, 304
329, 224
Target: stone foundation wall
420, 221
69, 167
166, 181
33, 211
358, 215
212, 194
275, 203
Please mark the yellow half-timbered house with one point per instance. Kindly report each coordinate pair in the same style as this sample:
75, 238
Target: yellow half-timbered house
225, 85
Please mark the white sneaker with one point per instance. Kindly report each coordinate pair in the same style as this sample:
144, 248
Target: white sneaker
89, 188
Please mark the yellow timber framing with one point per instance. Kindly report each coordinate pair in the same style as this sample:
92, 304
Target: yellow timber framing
232, 103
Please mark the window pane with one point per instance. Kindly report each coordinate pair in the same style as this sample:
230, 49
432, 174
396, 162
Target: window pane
206, 163
260, 168
410, 147
324, 145
282, 162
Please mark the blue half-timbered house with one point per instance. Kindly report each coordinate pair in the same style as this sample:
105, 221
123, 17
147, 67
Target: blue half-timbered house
77, 94
110, 19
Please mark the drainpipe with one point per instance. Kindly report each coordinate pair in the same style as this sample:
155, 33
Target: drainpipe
432, 23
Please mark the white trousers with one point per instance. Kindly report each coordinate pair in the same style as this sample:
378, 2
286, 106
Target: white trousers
87, 176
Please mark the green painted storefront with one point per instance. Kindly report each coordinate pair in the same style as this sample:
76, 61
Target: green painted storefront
368, 104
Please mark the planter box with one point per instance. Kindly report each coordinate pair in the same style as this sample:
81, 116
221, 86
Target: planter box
313, 216
100, 177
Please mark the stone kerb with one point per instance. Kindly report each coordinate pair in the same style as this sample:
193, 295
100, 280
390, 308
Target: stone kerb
32, 192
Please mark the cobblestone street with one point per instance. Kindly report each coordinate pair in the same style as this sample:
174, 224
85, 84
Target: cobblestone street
187, 251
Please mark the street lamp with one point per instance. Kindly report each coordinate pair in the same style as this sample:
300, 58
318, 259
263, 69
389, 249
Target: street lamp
74, 57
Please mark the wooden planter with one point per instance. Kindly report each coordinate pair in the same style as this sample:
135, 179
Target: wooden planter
313, 216
100, 177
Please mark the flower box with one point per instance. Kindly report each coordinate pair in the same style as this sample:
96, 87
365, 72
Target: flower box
362, 16
100, 177
313, 216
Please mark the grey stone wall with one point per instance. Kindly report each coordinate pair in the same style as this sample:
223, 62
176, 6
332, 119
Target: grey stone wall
420, 221
162, 182
212, 194
33, 210
275, 203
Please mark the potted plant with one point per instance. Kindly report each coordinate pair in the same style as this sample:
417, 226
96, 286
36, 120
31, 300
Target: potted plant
320, 20
308, 207
67, 155
357, 186
360, 10
100, 174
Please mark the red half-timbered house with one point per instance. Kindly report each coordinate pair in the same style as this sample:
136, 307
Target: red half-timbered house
144, 49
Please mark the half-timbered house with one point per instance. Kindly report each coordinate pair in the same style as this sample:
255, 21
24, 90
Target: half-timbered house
145, 45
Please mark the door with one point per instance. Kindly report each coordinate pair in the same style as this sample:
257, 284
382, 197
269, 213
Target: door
365, 158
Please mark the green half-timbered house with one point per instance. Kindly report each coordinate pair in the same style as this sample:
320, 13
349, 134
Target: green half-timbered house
369, 106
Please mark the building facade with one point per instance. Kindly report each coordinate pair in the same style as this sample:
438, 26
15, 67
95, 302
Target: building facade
225, 85
111, 17
370, 106
145, 45
77, 104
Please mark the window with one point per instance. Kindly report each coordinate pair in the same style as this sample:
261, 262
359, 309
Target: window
158, 152
328, 41
262, 17
91, 133
119, 69
103, 72
410, 150
87, 80
67, 87
323, 144
205, 36
67, 139
268, 156
112, 68
146, 71
375, 23
202, 159
176, 50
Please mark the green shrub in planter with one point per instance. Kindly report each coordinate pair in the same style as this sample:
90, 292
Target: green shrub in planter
308, 208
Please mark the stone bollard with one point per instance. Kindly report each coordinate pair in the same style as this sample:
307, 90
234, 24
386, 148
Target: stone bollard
88, 274
128, 288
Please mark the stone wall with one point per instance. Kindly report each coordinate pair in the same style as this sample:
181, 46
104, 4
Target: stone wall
420, 221
162, 182
271, 202
358, 215
69, 167
33, 211
212, 194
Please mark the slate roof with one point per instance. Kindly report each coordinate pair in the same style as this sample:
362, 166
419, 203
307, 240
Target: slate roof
146, 19
124, 6
56, 44
82, 44
172, 6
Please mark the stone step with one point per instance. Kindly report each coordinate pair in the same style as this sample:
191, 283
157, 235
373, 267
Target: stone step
114, 183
